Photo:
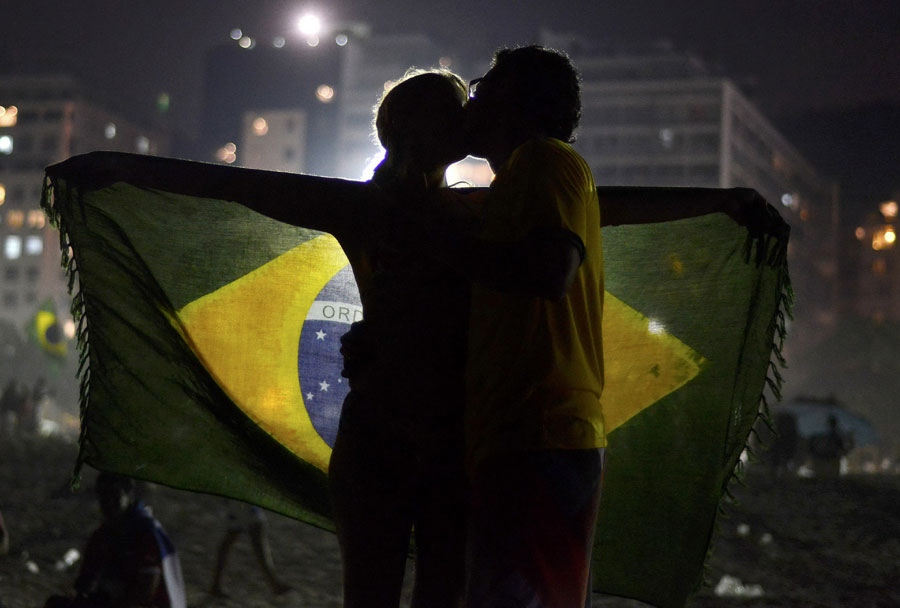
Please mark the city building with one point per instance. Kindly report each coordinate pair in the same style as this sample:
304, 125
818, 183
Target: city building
272, 104
876, 256
320, 89
661, 118
43, 120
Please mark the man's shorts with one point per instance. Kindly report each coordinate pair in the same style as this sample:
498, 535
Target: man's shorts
531, 529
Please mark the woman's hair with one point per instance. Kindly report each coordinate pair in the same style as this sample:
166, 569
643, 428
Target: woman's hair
417, 107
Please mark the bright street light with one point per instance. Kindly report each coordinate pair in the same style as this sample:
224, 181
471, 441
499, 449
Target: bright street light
309, 25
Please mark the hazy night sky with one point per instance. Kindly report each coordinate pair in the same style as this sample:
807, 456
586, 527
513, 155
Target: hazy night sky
826, 72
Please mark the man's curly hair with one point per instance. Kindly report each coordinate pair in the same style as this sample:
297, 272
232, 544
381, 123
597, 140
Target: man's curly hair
547, 86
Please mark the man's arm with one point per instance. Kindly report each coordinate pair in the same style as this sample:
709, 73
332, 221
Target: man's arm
542, 264
636, 205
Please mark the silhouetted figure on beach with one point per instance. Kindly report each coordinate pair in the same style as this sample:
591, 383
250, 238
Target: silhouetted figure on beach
785, 442
828, 448
128, 561
252, 521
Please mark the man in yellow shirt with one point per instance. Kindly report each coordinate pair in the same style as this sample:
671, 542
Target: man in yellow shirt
534, 368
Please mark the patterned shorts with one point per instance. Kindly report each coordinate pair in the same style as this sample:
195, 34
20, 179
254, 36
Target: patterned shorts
531, 529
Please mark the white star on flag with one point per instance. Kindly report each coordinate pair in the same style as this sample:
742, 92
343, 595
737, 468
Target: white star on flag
309, 396
323, 386
320, 335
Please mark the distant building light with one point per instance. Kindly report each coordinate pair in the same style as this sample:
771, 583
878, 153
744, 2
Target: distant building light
804, 214
260, 126
667, 137
34, 245
787, 199
8, 116
236, 33
163, 101
2, 194
69, 328
313, 41
109, 131
884, 238
325, 93
15, 218
227, 153
6, 144
278, 42
309, 25
36, 219
445, 62
246, 42
142, 144
888, 209
12, 248
341, 40
860, 233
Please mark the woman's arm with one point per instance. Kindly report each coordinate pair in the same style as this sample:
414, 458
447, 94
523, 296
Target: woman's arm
321, 203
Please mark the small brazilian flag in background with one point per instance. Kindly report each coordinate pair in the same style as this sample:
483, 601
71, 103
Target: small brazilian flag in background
45, 330
211, 333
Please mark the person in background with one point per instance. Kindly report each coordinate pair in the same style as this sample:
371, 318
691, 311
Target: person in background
129, 560
252, 520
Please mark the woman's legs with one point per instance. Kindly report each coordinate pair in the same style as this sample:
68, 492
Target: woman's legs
370, 490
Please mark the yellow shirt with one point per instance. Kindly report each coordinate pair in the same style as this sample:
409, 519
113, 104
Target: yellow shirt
534, 369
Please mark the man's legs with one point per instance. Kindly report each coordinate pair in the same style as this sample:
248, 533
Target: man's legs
531, 529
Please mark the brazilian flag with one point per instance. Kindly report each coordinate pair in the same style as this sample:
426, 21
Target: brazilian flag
45, 331
209, 338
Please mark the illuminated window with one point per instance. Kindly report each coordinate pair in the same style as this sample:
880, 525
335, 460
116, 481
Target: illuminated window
884, 238
142, 145
15, 218
8, 116
36, 219
6, 144
325, 93
12, 247
109, 131
888, 209
34, 245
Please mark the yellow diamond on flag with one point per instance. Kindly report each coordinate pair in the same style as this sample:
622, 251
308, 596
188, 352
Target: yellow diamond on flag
642, 362
246, 334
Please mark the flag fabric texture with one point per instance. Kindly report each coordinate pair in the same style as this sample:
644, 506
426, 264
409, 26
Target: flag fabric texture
209, 339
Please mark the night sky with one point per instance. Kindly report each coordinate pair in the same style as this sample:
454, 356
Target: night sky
826, 72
